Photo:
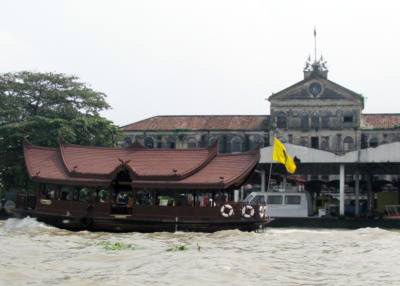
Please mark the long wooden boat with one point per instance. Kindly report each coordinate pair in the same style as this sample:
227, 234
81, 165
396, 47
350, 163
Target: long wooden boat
139, 189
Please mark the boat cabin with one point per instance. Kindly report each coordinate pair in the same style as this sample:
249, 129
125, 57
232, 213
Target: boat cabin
283, 204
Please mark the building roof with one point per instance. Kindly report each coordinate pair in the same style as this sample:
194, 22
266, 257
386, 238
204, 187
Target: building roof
380, 121
200, 122
178, 168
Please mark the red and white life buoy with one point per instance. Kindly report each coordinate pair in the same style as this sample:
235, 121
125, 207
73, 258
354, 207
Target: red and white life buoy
227, 210
248, 211
261, 211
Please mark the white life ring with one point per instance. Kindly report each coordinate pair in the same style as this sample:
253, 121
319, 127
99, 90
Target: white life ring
227, 210
247, 211
261, 211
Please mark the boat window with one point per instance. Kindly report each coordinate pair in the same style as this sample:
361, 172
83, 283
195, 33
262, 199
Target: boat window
292, 200
258, 200
165, 201
248, 199
85, 194
66, 193
274, 200
143, 197
50, 191
103, 194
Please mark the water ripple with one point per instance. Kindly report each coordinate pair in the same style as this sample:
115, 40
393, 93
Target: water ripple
32, 253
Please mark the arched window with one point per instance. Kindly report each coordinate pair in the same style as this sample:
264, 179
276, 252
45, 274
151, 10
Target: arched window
305, 121
281, 120
373, 142
191, 143
256, 140
128, 141
236, 144
171, 142
315, 121
325, 121
348, 144
149, 142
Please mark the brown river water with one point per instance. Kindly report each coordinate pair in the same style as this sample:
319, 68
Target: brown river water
32, 253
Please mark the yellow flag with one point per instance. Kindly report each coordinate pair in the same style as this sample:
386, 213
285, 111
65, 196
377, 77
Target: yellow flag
279, 154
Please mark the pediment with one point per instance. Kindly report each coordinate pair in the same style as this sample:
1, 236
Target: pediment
316, 87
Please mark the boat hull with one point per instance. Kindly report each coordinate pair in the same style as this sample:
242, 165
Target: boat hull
129, 223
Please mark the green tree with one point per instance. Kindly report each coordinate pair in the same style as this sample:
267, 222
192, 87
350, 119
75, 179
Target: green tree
43, 107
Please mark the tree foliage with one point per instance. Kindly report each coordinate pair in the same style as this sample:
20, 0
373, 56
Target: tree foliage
43, 107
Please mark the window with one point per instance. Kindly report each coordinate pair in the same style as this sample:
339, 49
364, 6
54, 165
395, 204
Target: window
325, 121
364, 141
103, 195
315, 121
281, 120
304, 121
348, 119
325, 142
315, 142
373, 142
292, 200
86, 194
191, 143
304, 141
128, 141
50, 192
274, 200
258, 200
171, 144
66, 193
149, 142
236, 144
348, 143
257, 141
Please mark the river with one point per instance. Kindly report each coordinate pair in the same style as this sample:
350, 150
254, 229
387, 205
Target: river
32, 253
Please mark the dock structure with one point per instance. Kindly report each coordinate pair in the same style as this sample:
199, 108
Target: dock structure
382, 160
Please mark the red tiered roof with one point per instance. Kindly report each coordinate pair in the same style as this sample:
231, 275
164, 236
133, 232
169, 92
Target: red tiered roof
166, 168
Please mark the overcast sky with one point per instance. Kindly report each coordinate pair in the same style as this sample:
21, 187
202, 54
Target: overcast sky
204, 57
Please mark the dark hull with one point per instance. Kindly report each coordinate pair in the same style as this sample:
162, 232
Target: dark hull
121, 223
338, 223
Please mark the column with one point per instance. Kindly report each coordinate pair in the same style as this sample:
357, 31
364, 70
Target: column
341, 190
262, 174
357, 195
370, 194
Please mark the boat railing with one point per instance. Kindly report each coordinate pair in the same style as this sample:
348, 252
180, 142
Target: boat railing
392, 211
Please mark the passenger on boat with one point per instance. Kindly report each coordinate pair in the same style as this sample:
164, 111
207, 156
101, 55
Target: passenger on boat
130, 204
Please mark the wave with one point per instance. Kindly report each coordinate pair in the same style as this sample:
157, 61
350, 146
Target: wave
24, 224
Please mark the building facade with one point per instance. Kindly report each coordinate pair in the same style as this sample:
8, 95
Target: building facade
314, 112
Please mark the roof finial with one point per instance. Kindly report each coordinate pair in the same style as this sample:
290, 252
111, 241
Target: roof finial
315, 44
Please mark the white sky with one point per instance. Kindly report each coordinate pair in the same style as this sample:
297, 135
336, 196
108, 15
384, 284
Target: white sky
204, 57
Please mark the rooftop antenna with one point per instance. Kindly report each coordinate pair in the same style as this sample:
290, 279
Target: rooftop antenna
315, 44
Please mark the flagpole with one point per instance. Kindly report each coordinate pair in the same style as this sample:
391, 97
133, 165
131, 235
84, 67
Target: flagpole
269, 176
315, 45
